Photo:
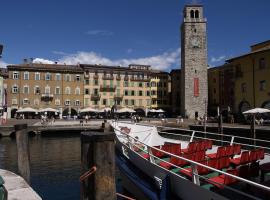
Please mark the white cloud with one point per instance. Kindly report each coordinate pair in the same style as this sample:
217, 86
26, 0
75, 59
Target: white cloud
217, 59
44, 61
130, 50
162, 62
99, 32
3, 64
59, 53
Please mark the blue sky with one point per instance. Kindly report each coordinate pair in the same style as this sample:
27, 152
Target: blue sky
125, 31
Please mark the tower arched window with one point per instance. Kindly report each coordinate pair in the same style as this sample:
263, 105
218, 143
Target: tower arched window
192, 13
196, 14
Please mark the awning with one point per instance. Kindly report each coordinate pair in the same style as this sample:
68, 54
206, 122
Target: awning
88, 110
123, 110
48, 110
27, 109
256, 111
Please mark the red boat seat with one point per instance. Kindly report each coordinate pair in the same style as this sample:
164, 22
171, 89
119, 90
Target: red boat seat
243, 159
221, 151
175, 149
199, 156
229, 150
260, 154
253, 156
190, 149
213, 163
200, 169
236, 149
220, 181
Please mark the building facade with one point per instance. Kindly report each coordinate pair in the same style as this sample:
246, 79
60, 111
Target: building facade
243, 82
194, 85
43, 85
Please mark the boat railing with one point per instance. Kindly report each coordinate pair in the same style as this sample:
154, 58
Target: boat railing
132, 142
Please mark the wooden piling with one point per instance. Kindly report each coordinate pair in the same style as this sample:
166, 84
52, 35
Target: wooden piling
23, 155
97, 150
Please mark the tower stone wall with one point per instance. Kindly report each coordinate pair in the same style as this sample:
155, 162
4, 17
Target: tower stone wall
194, 82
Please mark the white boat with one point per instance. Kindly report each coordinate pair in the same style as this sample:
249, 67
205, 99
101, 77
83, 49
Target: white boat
196, 166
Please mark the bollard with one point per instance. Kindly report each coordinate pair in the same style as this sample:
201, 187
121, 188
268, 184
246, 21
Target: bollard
23, 151
98, 153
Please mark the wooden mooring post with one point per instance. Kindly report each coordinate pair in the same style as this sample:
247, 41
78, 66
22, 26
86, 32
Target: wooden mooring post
23, 155
98, 158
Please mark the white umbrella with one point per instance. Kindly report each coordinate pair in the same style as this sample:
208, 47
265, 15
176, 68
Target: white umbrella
152, 110
123, 110
48, 110
253, 112
160, 111
105, 109
1, 108
256, 111
88, 110
28, 109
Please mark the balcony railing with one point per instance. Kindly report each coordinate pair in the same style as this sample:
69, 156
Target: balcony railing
106, 77
95, 97
95, 76
118, 97
140, 79
46, 97
107, 88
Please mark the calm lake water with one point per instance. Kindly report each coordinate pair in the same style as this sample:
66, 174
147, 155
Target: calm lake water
55, 164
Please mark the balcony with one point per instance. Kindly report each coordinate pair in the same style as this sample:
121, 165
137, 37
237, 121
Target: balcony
107, 77
118, 77
107, 88
95, 76
95, 97
141, 79
86, 75
126, 78
118, 97
46, 97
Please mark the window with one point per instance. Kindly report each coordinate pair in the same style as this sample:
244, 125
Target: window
262, 63
126, 92
96, 91
67, 102
57, 90
192, 14
132, 102
36, 90
95, 82
47, 89
153, 92
147, 84
132, 93
77, 91
78, 77
104, 102
67, 90
77, 103
57, 102
126, 102
36, 102
26, 101
86, 91
153, 84
15, 75
67, 77
147, 93
86, 81
140, 93
15, 89
95, 102
48, 76
37, 76
14, 101
140, 84
196, 14
262, 85
126, 84
244, 87
26, 89
26, 75
58, 77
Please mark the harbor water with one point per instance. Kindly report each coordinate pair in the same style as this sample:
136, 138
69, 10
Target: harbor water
55, 164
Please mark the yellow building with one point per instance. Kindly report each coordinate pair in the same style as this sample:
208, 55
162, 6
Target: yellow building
243, 82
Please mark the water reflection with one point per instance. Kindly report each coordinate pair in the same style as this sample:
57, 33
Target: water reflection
55, 165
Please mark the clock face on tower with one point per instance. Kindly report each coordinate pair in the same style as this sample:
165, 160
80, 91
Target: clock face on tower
195, 42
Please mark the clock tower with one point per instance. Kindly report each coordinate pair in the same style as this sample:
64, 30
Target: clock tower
194, 85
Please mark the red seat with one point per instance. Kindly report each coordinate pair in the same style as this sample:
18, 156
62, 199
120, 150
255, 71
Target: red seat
243, 159
175, 149
229, 150
209, 144
173, 160
221, 151
145, 155
183, 162
236, 149
220, 181
190, 149
253, 156
260, 154
213, 163
199, 156
200, 170
200, 146
223, 162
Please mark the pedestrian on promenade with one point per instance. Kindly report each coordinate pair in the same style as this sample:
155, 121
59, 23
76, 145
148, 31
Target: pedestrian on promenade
86, 119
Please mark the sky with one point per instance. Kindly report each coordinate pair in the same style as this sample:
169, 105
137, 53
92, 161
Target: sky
123, 32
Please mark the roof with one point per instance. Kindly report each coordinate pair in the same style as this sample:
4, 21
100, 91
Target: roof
193, 5
264, 42
46, 67
247, 54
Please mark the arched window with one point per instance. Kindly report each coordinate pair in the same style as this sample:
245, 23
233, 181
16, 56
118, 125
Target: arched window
192, 13
196, 14
77, 90
67, 90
